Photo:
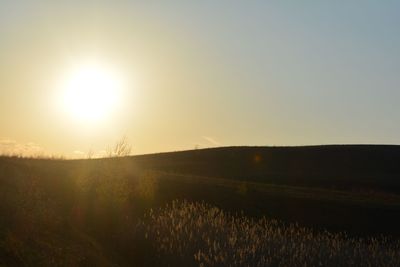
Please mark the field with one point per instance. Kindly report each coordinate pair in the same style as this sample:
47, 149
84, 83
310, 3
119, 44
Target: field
238, 206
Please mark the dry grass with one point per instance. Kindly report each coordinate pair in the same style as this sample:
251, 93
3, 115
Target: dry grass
200, 234
90, 213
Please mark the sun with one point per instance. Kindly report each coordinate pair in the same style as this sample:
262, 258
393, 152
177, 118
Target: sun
91, 92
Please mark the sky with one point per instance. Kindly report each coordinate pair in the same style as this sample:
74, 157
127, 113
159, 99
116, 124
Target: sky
201, 73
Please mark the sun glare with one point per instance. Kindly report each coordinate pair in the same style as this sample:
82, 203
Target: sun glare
91, 92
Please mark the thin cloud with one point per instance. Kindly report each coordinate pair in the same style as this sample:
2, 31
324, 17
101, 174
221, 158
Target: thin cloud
101, 154
12, 147
78, 154
211, 140
7, 142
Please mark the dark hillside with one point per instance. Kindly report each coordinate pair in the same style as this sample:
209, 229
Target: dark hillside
91, 212
350, 167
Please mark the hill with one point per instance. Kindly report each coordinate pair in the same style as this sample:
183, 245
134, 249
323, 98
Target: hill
52, 211
350, 167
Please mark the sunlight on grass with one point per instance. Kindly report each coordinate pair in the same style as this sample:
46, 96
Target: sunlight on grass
211, 237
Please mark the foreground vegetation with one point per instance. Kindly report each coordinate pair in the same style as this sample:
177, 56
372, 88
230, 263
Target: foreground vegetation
145, 211
197, 232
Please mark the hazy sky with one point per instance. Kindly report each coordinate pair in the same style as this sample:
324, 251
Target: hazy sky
204, 73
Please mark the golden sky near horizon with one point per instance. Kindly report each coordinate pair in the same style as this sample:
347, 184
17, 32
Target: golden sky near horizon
77, 76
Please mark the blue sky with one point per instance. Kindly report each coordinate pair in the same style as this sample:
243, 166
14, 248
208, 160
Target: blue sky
235, 72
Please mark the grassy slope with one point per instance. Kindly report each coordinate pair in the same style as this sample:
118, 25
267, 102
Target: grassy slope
341, 187
77, 206
349, 167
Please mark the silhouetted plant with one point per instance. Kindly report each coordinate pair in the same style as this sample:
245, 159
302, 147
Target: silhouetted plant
121, 149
